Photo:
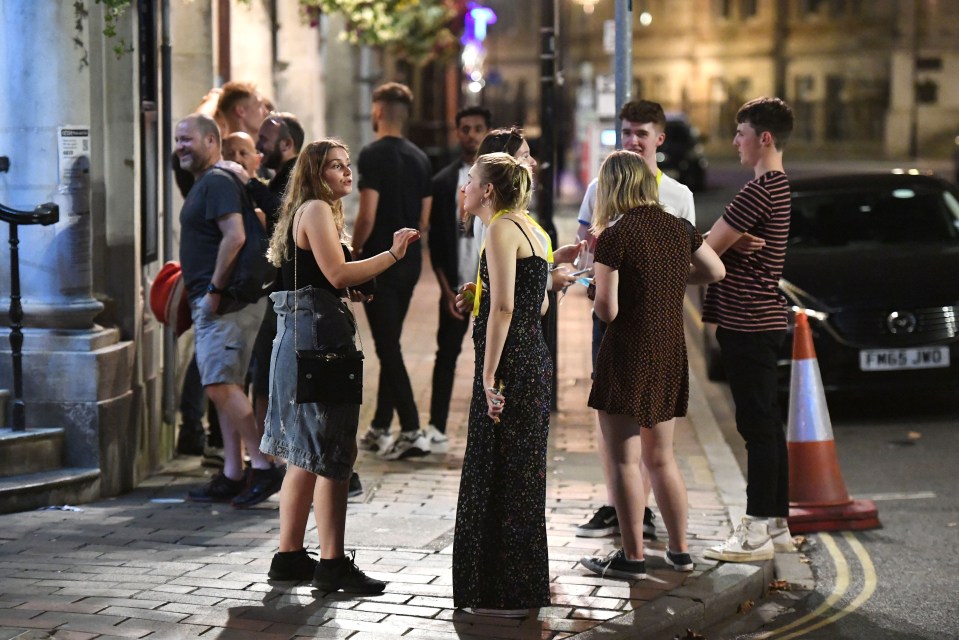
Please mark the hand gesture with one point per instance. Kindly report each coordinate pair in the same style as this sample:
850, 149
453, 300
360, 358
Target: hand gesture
236, 168
569, 252
402, 239
495, 401
464, 299
450, 298
562, 279
748, 244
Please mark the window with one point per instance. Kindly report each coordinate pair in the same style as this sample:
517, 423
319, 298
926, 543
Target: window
747, 8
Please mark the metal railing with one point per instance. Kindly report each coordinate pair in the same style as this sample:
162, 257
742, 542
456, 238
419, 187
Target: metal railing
44, 214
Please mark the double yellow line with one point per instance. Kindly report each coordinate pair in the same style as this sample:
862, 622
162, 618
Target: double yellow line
827, 613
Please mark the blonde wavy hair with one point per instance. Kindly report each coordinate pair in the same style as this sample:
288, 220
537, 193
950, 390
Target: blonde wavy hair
512, 182
306, 183
625, 182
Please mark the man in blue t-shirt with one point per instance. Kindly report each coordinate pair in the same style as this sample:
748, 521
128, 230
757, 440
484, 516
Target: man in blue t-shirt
211, 237
395, 192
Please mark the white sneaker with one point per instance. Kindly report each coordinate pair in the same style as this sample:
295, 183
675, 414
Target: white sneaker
375, 440
750, 542
782, 539
410, 444
439, 442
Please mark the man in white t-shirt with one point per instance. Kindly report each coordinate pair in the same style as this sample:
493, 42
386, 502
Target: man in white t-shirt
643, 128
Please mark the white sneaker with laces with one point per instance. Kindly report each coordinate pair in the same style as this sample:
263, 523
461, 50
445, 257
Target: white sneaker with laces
750, 542
439, 442
782, 539
409, 444
375, 440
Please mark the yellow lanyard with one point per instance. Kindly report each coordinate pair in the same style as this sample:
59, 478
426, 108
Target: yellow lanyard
479, 280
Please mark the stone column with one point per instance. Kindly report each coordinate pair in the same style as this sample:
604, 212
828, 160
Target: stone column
44, 88
77, 375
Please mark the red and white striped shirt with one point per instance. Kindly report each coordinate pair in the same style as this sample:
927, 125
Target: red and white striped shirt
748, 299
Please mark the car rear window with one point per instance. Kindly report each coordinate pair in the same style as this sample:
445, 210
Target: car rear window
885, 215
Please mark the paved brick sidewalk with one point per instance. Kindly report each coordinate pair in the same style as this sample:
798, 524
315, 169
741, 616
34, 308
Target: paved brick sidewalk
147, 565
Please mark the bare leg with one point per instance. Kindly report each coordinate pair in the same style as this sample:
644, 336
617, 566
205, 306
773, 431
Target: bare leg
623, 452
296, 494
237, 423
600, 447
329, 508
667, 482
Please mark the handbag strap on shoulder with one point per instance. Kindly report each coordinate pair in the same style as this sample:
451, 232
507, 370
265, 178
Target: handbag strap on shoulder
296, 287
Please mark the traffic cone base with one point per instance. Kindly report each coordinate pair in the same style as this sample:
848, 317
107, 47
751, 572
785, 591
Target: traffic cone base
856, 515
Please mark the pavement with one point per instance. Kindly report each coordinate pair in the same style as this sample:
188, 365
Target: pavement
150, 564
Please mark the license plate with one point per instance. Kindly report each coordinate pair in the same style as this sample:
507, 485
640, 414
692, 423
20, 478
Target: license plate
898, 359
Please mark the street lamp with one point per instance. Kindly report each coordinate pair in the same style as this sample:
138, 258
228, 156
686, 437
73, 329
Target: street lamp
588, 5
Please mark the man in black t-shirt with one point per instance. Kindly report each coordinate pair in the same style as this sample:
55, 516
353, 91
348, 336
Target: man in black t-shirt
395, 192
212, 235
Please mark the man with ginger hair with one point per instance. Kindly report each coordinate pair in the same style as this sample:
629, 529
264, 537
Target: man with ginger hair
240, 107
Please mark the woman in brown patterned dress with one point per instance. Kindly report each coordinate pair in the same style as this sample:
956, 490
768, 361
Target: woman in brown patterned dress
642, 375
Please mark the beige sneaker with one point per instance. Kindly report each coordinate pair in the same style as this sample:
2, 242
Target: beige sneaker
782, 539
750, 542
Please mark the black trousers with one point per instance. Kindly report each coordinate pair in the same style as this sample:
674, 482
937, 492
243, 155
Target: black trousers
386, 314
449, 343
749, 358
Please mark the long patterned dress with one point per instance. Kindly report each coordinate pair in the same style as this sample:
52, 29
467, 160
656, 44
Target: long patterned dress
500, 555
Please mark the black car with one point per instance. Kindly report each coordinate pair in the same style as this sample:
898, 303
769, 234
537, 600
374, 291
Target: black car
874, 259
681, 156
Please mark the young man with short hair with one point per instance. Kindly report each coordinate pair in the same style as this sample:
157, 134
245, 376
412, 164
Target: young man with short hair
395, 192
643, 129
750, 314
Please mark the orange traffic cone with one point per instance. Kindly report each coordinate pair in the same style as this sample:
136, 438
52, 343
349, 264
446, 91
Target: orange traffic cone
818, 500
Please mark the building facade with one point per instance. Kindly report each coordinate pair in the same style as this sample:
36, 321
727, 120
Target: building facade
868, 76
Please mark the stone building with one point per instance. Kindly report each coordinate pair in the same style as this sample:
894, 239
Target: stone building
97, 368
870, 76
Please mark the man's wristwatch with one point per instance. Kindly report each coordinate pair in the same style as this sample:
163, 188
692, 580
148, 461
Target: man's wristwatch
212, 288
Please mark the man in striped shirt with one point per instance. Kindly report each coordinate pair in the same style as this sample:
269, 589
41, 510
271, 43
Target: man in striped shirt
750, 313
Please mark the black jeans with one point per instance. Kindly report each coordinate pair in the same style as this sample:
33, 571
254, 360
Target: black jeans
386, 313
449, 343
749, 358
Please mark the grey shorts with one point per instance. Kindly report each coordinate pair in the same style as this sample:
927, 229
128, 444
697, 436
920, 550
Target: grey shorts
224, 343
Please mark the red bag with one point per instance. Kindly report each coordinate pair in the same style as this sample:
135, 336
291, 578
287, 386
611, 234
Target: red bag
168, 300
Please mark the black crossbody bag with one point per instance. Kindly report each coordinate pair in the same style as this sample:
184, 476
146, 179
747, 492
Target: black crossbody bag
329, 370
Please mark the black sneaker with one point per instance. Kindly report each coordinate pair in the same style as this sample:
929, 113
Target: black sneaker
344, 575
679, 561
615, 565
356, 487
219, 489
292, 565
189, 441
263, 484
649, 529
603, 523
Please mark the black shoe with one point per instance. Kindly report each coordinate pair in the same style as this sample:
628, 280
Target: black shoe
603, 523
219, 489
292, 565
649, 529
263, 484
344, 575
680, 561
190, 440
356, 487
616, 565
